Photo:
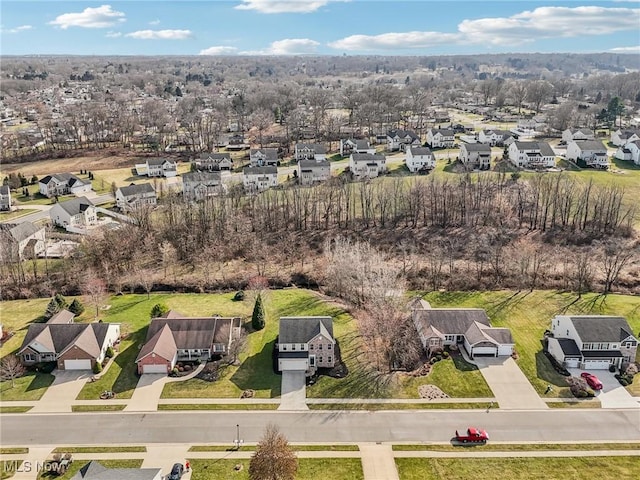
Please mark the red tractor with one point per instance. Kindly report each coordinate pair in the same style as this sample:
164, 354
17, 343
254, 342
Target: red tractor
473, 435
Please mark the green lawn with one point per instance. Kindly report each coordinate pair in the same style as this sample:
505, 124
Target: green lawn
402, 406
519, 447
218, 406
101, 449
13, 450
529, 314
6, 409
308, 469
566, 468
29, 387
4, 216
97, 408
78, 464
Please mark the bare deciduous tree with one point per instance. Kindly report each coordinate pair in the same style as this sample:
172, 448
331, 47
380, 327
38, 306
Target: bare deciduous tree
274, 459
11, 368
95, 289
615, 257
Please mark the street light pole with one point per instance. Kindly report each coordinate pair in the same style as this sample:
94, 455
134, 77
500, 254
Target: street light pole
238, 442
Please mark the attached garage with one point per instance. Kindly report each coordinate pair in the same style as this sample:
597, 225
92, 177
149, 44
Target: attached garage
484, 351
155, 368
572, 362
83, 364
289, 361
596, 364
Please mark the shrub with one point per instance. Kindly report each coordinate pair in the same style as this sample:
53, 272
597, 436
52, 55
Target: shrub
45, 367
612, 368
187, 368
433, 360
61, 301
76, 307
257, 319
445, 354
158, 310
438, 357
110, 353
174, 371
239, 296
631, 370
97, 367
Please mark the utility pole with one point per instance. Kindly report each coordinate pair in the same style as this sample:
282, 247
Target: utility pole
238, 442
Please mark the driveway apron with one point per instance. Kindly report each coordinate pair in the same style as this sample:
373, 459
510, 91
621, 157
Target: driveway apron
612, 395
63, 391
164, 456
509, 385
378, 462
294, 391
147, 393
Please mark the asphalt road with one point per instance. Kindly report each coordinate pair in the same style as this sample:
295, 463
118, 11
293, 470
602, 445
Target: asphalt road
324, 427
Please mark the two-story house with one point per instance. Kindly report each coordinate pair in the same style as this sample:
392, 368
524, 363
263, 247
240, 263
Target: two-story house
495, 138
5, 198
577, 134
213, 161
74, 215
401, 139
629, 152
441, 138
258, 179
420, 159
313, 171
591, 342
532, 155
21, 241
475, 156
305, 344
349, 146
264, 157
621, 137
197, 186
63, 184
588, 153
136, 196
310, 151
161, 167
367, 165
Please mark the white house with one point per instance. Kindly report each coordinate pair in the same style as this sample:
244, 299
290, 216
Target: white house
401, 139
134, 196
475, 155
214, 161
367, 165
63, 184
305, 344
258, 179
309, 151
161, 167
532, 155
577, 134
24, 240
420, 159
200, 185
76, 213
349, 146
263, 157
441, 138
313, 171
629, 152
591, 342
5, 198
622, 137
590, 153
495, 138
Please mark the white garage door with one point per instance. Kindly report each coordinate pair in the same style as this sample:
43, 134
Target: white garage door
485, 351
596, 364
154, 369
288, 364
77, 364
572, 362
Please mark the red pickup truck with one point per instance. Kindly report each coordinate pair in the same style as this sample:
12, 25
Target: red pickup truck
472, 435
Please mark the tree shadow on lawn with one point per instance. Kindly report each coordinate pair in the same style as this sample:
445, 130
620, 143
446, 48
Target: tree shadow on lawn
499, 307
256, 372
307, 305
546, 372
115, 310
583, 305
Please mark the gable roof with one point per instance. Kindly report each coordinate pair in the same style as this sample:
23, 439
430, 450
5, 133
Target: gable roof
4, 190
368, 157
75, 205
445, 132
316, 147
215, 156
311, 164
303, 329
270, 170
161, 343
63, 316
96, 471
193, 332
451, 321
476, 147
420, 151
159, 161
601, 328
543, 147
68, 178
138, 189
591, 145
403, 134
20, 231
269, 153
203, 177
60, 337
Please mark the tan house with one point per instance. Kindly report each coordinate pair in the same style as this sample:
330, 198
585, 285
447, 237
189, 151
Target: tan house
305, 344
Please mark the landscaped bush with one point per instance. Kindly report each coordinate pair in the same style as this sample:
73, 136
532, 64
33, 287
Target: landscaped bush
239, 296
579, 387
76, 307
612, 368
45, 367
97, 367
631, 369
445, 354
187, 368
110, 352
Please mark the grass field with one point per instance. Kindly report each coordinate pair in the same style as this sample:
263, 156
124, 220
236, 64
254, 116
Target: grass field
402, 406
9, 409
100, 449
218, 406
28, 387
520, 447
78, 464
567, 468
5, 216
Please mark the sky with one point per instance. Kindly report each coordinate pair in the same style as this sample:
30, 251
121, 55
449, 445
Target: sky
317, 27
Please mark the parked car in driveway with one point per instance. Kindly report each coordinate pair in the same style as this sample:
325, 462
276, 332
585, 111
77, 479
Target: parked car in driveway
592, 380
176, 472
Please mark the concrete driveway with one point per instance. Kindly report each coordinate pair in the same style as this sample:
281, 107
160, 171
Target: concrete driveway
509, 385
147, 393
612, 395
63, 391
293, 394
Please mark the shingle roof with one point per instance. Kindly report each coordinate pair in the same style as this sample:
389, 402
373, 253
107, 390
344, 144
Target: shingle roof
203, 177
60, 337
4, 190
215, 156
591, 145
451, 321
63, 316
137, 189
601, 328
68, 178
269, 153
96, 471
303, 329
193, 332
362, 145
161, 343
20, 231
543, 147
445, 132
270, 170
569, 347
316, 147
420, 151
368, 157
477, 147
76, 205
314, 163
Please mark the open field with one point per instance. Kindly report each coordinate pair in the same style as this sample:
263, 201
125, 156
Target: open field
566, 468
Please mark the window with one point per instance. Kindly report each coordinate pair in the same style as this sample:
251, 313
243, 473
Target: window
312, 361
28, 357
284, 348
293, 347
320, 359
329, 359
311, 346
320, 347
329, 347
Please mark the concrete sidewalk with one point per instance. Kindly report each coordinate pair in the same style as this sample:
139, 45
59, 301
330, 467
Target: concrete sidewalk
378, 462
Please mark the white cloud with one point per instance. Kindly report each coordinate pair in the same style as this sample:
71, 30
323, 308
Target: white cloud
160, 34
395, 41
19, 29
284, 6
549, 22
635, 49
100, 17
288, 46
154, 22
219, 50
113, 34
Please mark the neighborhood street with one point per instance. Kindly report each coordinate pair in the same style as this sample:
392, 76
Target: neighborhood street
561, 425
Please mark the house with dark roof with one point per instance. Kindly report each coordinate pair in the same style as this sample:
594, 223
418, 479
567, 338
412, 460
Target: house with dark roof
63, 184
197, 186
258, 179
5, 198
401, 139
532, 155
588, 153
466, 327
305, 344
591, 342
161, 167
475, 156
136, 196
263, 157
577, 134
441, 138
73, 346
495, 138
74, 214
310, 151
367, 165
313, 171
629, 152
214, 161
420, 159
621, 137
350, 145
62, 317
96, 471
23, 240
174, 338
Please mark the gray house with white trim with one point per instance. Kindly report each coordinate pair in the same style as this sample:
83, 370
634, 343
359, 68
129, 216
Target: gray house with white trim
305, 344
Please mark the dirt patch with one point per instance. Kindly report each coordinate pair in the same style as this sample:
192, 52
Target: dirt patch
431, 392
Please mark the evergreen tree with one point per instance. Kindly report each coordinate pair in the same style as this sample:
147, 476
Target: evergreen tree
158, 310
61, 301
76, 307
52, 308
257, 319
